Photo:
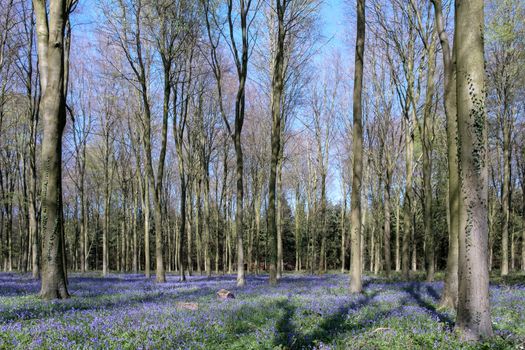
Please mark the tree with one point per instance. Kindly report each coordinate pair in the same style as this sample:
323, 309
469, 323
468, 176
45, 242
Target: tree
473, 316
240, 57
277, 91
357, 139
54, 33
450, 291
504, 58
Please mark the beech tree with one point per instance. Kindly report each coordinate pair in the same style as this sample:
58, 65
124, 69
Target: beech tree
450, 292
357, 139
473, 317
54, 33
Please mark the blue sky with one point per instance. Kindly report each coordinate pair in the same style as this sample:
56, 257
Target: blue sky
337, 21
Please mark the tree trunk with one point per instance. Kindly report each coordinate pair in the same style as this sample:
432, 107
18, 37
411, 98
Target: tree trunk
398, 256
51, 52
135, 259
276, 99
343, 232
450, 291
357, 147
279, 213
523, 228
407, 202
427, 135
386, 231
473, 316
145, 208
505, 197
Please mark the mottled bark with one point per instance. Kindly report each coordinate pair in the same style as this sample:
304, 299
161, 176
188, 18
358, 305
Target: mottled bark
473, 315
277, 91
357, 148
52, 53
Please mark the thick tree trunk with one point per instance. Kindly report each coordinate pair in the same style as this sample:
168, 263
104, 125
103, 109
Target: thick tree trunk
357, 147
473, 316
51, 43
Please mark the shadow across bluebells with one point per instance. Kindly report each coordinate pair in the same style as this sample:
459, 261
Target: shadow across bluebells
328, 329
301, 312
414, 290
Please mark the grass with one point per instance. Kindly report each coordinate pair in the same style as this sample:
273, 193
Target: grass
303, 312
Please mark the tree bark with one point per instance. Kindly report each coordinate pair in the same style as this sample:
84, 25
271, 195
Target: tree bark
450, 291
427, 135
473, 316
386, 230
51, 52
505, 197
357, 147
277, 91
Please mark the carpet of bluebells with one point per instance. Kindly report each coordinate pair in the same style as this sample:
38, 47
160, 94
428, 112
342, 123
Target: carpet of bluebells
302, 312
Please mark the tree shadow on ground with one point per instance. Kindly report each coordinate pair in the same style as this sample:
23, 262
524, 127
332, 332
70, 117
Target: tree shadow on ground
329, 328
414, 290
41, 310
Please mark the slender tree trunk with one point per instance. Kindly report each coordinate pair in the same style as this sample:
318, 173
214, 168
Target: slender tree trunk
279, 213
33, 210
386, 230
322, 254
450, 291
505, 198
189, 230
398, 256
145, 208
523, 228
427, 132
473, 316
207, 224
407, 202
343, 234
135, 224
182, 257
297, 222
357, 147
107, 200
277, 91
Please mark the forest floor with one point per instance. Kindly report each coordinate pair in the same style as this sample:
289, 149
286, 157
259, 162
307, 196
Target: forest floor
303, 311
